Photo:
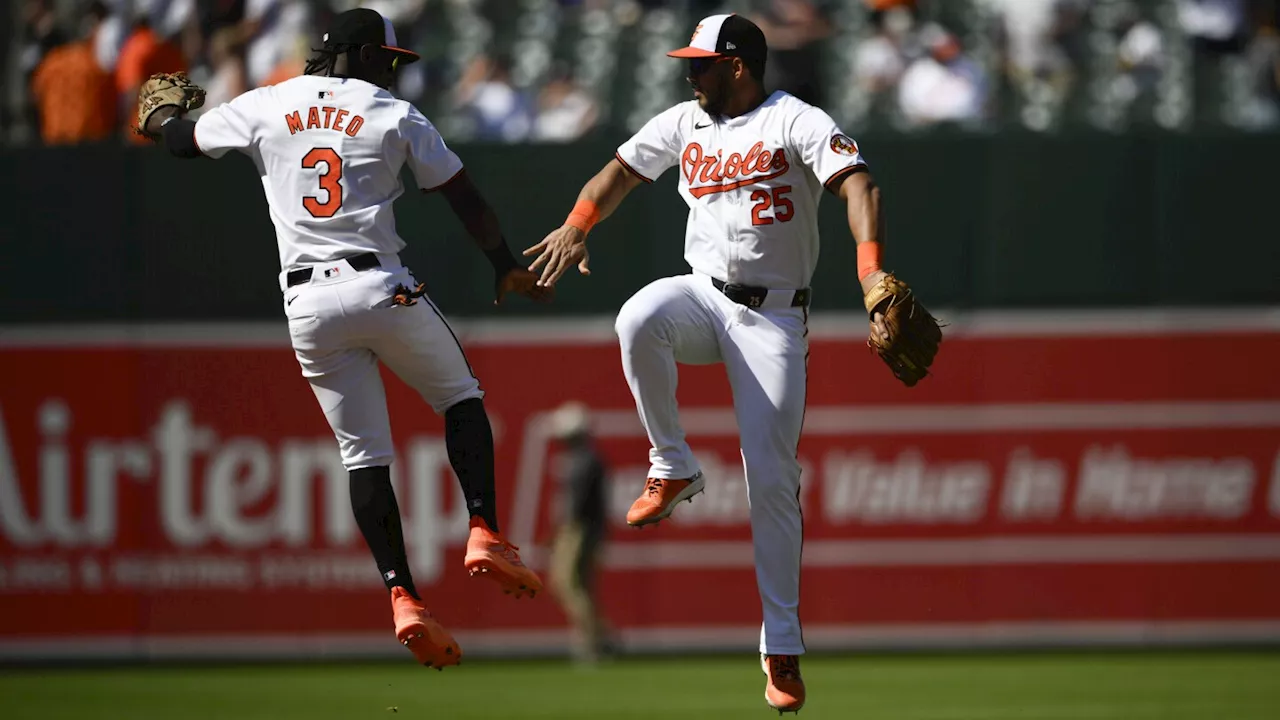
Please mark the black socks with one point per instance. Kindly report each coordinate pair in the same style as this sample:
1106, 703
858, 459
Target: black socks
374, 503
469, 440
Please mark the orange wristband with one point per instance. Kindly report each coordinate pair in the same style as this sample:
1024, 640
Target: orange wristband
868, 258
584, 216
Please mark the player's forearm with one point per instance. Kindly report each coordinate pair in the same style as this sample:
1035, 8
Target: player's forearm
862, 203
603, 193
480, 222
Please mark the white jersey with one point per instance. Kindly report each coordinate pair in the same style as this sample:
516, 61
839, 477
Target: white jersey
329, 151
752, 184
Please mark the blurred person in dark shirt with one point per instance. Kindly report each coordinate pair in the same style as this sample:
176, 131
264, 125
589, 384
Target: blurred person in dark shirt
582, 525
793, 29
39, 34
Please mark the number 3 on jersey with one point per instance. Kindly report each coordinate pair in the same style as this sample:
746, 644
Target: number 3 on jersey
783, 210
328, 182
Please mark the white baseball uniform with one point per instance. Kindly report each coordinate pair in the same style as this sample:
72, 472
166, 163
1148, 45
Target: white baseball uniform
752, 184
330, 151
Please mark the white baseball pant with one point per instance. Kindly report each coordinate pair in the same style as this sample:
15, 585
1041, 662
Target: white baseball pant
342, 322
685, 319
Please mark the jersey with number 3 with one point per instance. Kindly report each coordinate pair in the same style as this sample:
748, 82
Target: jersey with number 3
329, 151
752, 184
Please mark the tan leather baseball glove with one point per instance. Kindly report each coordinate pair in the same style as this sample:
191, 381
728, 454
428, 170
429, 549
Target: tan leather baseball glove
163, 90
914, 334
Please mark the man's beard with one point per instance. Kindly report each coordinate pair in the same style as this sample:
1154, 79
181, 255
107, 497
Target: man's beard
715, 98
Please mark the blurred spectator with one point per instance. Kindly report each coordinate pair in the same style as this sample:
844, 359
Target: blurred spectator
145, 52
565, 111
1263, 64
1037, 40
226, 77
271, 30
112, 33
214, 15
293, 62
792, 28
883, 5
576, 548
943, 85
40, 34
1141, 56
880, 60
1216, 26
74, 97
494, 109
1033, 32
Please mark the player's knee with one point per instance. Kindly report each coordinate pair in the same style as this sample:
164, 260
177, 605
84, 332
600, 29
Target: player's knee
463, 395
637, 320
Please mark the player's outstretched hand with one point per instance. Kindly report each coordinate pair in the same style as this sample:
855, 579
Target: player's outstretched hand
523, 282
558, 252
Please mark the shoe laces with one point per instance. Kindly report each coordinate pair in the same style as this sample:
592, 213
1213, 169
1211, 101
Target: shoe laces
655, 485
784, 667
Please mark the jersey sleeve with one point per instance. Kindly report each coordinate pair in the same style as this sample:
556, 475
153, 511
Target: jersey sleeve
233, 125
827, 151
655, 147
432, 162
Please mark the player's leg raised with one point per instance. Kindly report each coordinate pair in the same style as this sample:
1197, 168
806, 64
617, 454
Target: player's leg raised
662, 324
421, 349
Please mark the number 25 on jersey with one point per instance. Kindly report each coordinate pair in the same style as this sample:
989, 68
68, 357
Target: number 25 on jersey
783, 210
329, 182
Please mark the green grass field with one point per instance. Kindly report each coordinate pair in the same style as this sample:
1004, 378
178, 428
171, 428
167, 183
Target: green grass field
1033, 686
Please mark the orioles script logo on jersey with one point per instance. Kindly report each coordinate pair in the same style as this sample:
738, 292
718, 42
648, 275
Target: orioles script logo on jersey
334, 119
720, 174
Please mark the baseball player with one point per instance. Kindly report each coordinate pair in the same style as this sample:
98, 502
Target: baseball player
329, 146
753, 166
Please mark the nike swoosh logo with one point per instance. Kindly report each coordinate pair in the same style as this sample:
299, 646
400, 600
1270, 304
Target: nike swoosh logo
290, 300
699, 127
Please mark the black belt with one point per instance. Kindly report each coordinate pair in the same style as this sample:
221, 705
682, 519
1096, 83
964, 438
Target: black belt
753, 297
363, 261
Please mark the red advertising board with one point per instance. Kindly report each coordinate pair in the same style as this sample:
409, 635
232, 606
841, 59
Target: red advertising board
176, 490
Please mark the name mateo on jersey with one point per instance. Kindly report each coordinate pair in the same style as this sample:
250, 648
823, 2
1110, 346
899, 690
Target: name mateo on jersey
758, 165
334, 118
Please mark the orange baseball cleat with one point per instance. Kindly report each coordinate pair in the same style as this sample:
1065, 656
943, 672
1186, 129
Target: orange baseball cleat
784, 688
660, 497
490, 555
427, 639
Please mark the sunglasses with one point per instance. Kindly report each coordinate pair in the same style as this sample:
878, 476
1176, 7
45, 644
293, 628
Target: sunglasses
697, 66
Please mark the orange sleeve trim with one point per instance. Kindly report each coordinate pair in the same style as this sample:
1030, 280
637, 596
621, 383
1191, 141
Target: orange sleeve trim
631, 169
446, 182
833, 182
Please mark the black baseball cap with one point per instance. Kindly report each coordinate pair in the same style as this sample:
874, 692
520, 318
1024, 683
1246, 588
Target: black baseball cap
363, 26
725, 35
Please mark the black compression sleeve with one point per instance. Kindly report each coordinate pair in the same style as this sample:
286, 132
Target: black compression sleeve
180, 138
